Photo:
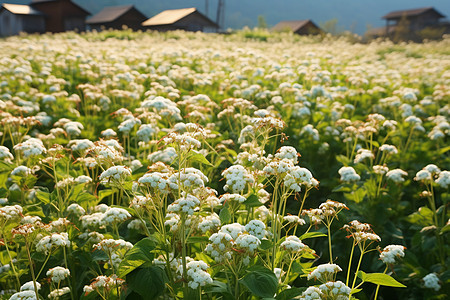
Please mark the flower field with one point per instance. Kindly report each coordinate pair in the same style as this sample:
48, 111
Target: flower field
244, 166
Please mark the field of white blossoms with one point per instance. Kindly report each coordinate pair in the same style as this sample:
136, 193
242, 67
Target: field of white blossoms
242, 166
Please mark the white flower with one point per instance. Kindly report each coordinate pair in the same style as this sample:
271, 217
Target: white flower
237, 178
11, 212
48, 242
380, 170
58, 274
167, 155
209, 222
423, 175
312, 293
190, 178
362, 154
5, 154
256, 228
115, 174
297, 176
289, 153
219, 246
76, 209
232, 198
348, 174
110, 245
248, 242
29, 286
391, 149
443, 179
335, 290
24, 295
186, 204
391, 252
59, 292
294, 219
324, 272
396, 175
31, 147
234, 230
21, 171
157, 181
292, 244
197, 275
115, 215
431, 281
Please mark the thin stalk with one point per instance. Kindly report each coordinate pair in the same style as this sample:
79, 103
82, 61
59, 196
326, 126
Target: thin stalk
31, 268
183, 255
329, 243
378, 286
67, 267
350, 263
12, 264
45, 262
359, 265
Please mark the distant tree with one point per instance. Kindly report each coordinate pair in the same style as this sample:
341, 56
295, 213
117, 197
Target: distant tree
331, 26
262, 22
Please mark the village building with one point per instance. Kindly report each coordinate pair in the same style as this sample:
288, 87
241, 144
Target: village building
410, 23
117, 17
301, 27
61, 15
15, 18
189, 19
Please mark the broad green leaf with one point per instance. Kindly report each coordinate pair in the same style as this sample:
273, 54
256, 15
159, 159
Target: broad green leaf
198, 157
310, 235
379, 279
289, 294
44, 197
225, 215
136, 256
147, 282
104, 193
261, 282
252, 201
265, 245
423, 217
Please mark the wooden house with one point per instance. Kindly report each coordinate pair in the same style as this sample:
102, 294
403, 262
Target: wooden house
116, 17
15, 18
61, 15
301, 27
189, 19
413, 20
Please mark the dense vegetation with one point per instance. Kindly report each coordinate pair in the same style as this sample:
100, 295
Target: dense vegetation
243, 166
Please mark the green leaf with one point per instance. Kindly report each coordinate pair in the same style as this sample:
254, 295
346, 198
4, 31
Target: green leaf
136, 256
289, 294
252, 201
74, 192
379, 279
423, 217
265, 245
198, 157
343, 159
312, 235
197, 239
42, 196
104, 193
356, 196
225, 215
261, 282
148, 282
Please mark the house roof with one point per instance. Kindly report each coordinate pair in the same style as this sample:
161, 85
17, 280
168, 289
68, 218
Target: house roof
19, 9
410, 13
292, 25
170, 16
109, 14
37, 2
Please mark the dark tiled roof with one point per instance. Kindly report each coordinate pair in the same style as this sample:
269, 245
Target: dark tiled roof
109, 14
410, 13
